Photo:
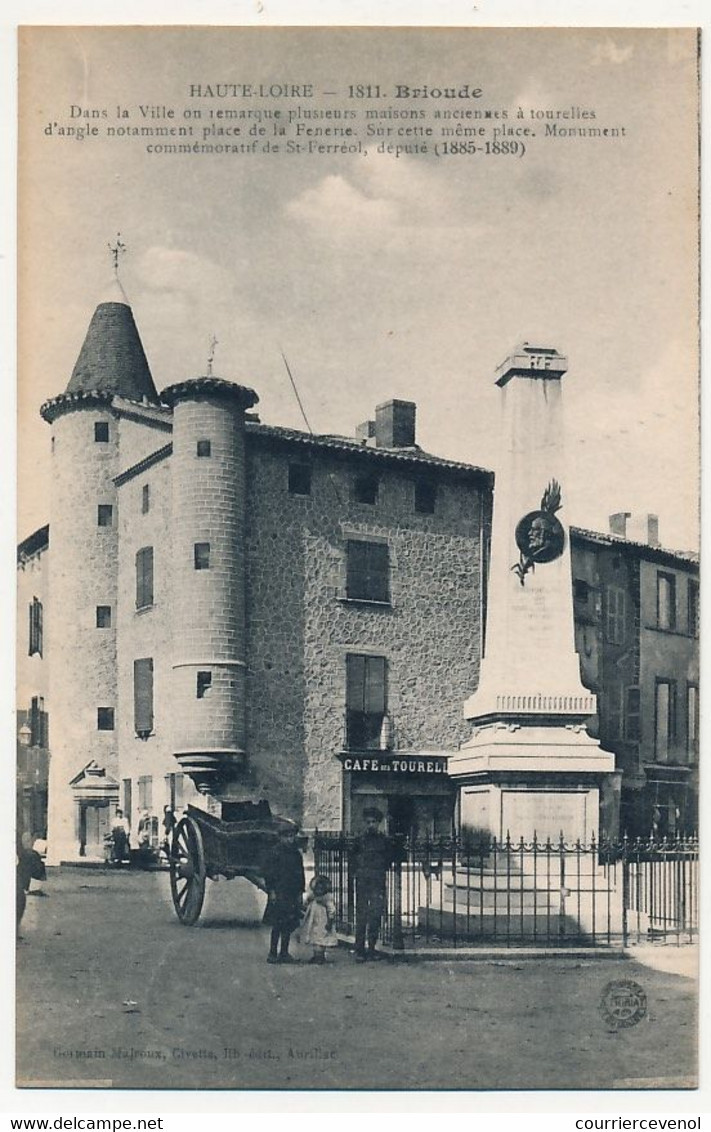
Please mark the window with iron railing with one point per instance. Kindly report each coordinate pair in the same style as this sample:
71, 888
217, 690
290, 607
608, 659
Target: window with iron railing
36, 628
144, 577
366, 700
143, 696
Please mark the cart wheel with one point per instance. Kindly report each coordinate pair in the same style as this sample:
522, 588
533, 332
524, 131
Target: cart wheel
187, 871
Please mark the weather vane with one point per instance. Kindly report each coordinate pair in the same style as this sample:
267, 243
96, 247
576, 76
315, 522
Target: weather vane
211, 356
117, 250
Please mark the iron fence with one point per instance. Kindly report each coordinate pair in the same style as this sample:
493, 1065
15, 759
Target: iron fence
455, 893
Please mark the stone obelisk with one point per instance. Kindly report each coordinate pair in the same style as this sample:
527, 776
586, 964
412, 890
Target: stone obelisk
530, 765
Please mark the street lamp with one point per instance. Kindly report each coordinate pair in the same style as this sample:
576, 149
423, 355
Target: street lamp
24, 735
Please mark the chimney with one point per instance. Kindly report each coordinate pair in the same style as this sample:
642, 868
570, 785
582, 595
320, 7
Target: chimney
618, 523
395, 424
365, 431
652, 530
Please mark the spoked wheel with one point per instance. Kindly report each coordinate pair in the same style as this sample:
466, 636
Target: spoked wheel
187, 871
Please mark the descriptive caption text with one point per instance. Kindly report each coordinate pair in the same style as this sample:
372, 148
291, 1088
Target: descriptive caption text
360, 119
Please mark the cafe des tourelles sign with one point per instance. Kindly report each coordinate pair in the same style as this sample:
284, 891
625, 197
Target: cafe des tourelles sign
394, 764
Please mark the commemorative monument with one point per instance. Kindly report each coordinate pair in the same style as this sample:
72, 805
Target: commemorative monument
530, 766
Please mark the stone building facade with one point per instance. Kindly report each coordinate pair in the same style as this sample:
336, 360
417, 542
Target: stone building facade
242, 611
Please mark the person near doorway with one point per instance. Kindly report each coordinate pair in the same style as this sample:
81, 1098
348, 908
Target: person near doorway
285, 883
169, 824
371, 858
119, 839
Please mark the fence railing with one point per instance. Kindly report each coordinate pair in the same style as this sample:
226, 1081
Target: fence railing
454, 893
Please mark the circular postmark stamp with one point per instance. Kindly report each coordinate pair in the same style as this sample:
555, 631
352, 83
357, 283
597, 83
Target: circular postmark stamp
623, 1003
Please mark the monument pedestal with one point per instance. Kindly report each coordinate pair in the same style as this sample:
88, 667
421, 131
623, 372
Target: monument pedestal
520, 780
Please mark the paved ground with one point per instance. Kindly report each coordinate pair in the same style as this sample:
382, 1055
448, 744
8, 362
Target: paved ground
112, 990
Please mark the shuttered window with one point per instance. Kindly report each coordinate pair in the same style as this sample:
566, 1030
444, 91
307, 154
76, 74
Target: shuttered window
144, 577
143, 695
368, 571
145, 792
615, 615
366, 700
39, 721
664, 719
666, 601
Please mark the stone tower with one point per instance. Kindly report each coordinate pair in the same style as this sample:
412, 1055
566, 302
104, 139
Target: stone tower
83, 573
208, 548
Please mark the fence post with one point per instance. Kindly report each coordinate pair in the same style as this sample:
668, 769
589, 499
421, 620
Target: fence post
625, 891
398, 941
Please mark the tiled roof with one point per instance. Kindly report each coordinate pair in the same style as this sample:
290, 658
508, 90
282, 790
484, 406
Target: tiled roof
656, 553
112, 359
342, 445
38, 540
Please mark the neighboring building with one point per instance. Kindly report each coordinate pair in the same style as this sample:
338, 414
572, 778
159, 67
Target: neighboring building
636, 611
32, 685
257, 612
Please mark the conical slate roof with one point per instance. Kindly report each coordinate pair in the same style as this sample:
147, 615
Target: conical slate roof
112, 359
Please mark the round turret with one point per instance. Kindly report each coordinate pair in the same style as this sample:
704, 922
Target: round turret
208, 540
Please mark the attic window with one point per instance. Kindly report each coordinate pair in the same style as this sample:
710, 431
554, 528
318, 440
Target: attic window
101, 432
299, 479
365, 489
425, 497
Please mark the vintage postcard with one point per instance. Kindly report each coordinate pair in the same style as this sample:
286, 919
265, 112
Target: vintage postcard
357, 565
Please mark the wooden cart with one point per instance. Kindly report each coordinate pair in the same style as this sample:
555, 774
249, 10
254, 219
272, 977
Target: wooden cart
206, 847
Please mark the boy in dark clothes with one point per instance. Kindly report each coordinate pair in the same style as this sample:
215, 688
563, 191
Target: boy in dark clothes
371, 857
285, 883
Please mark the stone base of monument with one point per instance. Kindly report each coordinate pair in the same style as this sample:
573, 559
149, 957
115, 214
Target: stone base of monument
537, 778
547, 897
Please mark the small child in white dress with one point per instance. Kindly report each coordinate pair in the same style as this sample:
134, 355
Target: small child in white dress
318, 926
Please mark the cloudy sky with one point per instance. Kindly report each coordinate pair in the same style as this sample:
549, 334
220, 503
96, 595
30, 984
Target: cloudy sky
382, 277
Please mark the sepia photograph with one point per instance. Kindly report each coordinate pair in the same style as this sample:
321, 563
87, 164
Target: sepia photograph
357, 658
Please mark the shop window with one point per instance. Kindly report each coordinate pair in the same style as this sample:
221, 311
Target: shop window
666, 601
143, 696
204, 448
101, 432
664, 719
145, 792
36, 630
105, 719
105, 515
615, 607
632, 716
299, 479
693, 607
425, 497
202, 555
204, 683
145, 499
365, 489
103, 617
144, 577
366, 700
692, 722
367, 571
